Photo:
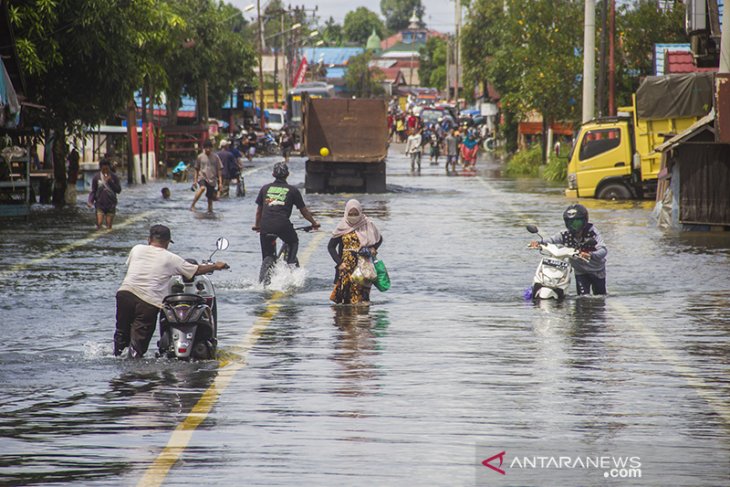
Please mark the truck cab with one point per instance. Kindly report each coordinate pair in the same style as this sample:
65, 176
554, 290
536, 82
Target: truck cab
601, 161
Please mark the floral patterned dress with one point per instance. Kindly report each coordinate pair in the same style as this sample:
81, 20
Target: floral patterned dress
346, 291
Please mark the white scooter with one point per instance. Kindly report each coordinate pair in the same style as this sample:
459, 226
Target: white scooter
552, 276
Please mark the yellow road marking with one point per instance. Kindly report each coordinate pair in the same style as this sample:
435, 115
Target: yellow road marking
73, 245
702, 388
181, 436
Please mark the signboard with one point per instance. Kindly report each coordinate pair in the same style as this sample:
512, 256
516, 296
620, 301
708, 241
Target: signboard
301, 72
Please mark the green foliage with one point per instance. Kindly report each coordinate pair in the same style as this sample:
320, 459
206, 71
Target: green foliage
432, 69
398, 12
332, 33
84, 59
639, 26
360, 79
525, 162
359, 25
556, 169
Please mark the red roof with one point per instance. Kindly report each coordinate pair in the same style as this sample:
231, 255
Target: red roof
681, 62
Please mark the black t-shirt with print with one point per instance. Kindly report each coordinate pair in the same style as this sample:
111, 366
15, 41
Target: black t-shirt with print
277, 200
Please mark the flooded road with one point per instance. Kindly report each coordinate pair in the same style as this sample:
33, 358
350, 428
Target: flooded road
446, 370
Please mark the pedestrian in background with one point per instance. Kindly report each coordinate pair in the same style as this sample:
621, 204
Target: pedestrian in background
208, 173
105, 187
452, 150
414, 148
229, 165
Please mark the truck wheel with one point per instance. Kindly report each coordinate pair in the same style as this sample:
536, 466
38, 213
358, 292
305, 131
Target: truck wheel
375, 183
614, 191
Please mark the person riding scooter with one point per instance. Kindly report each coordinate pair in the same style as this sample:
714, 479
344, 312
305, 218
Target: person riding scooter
275, 202
590, 269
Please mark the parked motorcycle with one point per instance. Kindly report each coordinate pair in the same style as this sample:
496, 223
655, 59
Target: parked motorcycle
189, 318
267, 145
552, 276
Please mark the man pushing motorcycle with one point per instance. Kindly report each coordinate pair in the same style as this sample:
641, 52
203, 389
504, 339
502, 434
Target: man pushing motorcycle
139, 298
590, 269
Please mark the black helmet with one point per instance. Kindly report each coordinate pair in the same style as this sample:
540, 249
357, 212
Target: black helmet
576, 218
281, 170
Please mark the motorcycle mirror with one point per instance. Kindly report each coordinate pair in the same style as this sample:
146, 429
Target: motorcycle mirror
532, 229
221, 243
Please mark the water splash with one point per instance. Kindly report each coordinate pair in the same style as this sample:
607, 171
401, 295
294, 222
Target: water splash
96, 350
285, 278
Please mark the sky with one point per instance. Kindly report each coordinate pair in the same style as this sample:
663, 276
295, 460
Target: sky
439, 13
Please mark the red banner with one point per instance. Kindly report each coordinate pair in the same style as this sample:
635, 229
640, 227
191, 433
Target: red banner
301, 71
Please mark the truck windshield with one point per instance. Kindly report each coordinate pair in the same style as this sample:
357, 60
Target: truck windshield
597, 142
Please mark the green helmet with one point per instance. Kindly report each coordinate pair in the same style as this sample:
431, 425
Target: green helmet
576, 218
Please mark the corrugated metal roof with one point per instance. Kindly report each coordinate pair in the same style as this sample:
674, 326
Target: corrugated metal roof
659, 50
330, 55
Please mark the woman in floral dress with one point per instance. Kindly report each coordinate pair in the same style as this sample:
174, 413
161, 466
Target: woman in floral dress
354, 232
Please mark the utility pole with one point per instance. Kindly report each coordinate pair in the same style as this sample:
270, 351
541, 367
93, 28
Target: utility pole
262, 121
589, 60
602, 63
285, 80
612, 60
448, 65
457, 50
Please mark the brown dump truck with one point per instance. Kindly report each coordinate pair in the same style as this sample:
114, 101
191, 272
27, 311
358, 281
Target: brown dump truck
354, 133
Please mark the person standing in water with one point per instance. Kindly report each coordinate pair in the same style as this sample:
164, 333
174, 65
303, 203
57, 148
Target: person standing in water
354, 233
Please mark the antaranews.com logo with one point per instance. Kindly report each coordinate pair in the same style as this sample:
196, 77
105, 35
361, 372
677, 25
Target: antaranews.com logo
617, 467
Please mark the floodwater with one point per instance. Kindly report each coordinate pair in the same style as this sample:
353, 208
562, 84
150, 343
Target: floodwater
445, 370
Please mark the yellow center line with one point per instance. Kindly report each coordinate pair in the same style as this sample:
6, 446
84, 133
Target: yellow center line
72, 246
181, 436
702, 388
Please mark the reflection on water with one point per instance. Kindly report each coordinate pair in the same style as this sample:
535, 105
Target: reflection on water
356, 351
449, 358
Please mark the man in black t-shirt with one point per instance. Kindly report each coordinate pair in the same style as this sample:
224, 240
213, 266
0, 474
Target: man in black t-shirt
274, 206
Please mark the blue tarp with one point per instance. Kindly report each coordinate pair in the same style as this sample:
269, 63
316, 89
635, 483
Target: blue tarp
330, 55
187, 103
335, 73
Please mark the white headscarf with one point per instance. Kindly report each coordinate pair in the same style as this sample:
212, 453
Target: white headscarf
366, 230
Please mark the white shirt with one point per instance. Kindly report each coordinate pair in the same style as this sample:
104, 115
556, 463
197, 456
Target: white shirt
150, 269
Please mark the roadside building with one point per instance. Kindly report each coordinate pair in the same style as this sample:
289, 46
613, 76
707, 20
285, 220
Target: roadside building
694, 179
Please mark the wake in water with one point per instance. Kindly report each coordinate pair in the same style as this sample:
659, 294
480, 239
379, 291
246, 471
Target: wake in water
284, 279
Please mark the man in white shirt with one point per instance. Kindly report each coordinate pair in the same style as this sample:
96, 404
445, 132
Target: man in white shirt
139, 298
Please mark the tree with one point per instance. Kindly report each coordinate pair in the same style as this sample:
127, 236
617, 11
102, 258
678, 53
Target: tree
432, 69
332, 33
359, 25
530, 51
361, 80
83, 60
398, 12
638, 27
